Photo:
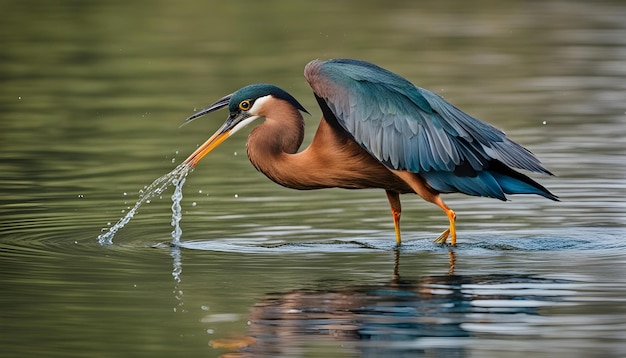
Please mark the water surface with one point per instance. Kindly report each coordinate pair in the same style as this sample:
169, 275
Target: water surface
91, 100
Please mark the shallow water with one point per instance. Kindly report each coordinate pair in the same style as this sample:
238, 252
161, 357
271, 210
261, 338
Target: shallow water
92, 98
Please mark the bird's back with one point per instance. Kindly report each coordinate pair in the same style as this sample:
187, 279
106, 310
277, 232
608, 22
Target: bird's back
409, 128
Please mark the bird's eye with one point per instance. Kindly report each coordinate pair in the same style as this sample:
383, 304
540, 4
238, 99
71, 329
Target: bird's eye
244, 105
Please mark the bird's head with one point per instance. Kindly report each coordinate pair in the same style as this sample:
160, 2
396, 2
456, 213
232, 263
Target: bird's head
245, 105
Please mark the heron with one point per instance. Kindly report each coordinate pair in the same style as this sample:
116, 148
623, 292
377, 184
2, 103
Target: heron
378, 130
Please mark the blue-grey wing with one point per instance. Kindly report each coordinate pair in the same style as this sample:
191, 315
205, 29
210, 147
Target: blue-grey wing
409, 128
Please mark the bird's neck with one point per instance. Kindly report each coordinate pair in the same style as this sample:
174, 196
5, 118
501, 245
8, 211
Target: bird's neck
332, 159
272, 146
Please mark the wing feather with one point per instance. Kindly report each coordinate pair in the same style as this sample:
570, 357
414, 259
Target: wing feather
409, 128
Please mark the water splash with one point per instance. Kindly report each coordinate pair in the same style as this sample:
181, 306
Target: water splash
177, 212
177, 270
176, 176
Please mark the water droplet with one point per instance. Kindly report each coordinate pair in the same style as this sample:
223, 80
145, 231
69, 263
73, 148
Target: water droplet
156, 188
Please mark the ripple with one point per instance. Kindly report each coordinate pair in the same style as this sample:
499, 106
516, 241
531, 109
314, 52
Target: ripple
476, 243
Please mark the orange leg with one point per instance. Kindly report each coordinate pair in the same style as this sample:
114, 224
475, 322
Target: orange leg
396, 210
422, 189
451, 231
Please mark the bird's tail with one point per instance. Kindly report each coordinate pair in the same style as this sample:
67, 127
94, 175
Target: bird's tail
495, 181
513, 182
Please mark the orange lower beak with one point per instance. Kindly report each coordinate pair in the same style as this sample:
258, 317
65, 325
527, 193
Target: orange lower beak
211, 143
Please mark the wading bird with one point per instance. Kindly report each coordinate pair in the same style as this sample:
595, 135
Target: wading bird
378, 130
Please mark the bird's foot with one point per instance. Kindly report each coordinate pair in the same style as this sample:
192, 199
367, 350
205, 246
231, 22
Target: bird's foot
443, 237
451, 231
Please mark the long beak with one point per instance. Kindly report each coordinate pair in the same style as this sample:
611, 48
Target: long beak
211, 143
232, 124
216, 138
219, 104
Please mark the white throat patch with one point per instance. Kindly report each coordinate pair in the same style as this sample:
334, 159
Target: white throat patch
242, 124
254, 111
258, 104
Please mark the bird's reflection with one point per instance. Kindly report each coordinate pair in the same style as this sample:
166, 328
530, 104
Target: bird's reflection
396, 264
430, 315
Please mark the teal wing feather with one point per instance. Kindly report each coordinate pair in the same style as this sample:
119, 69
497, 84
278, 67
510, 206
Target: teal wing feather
410, 128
